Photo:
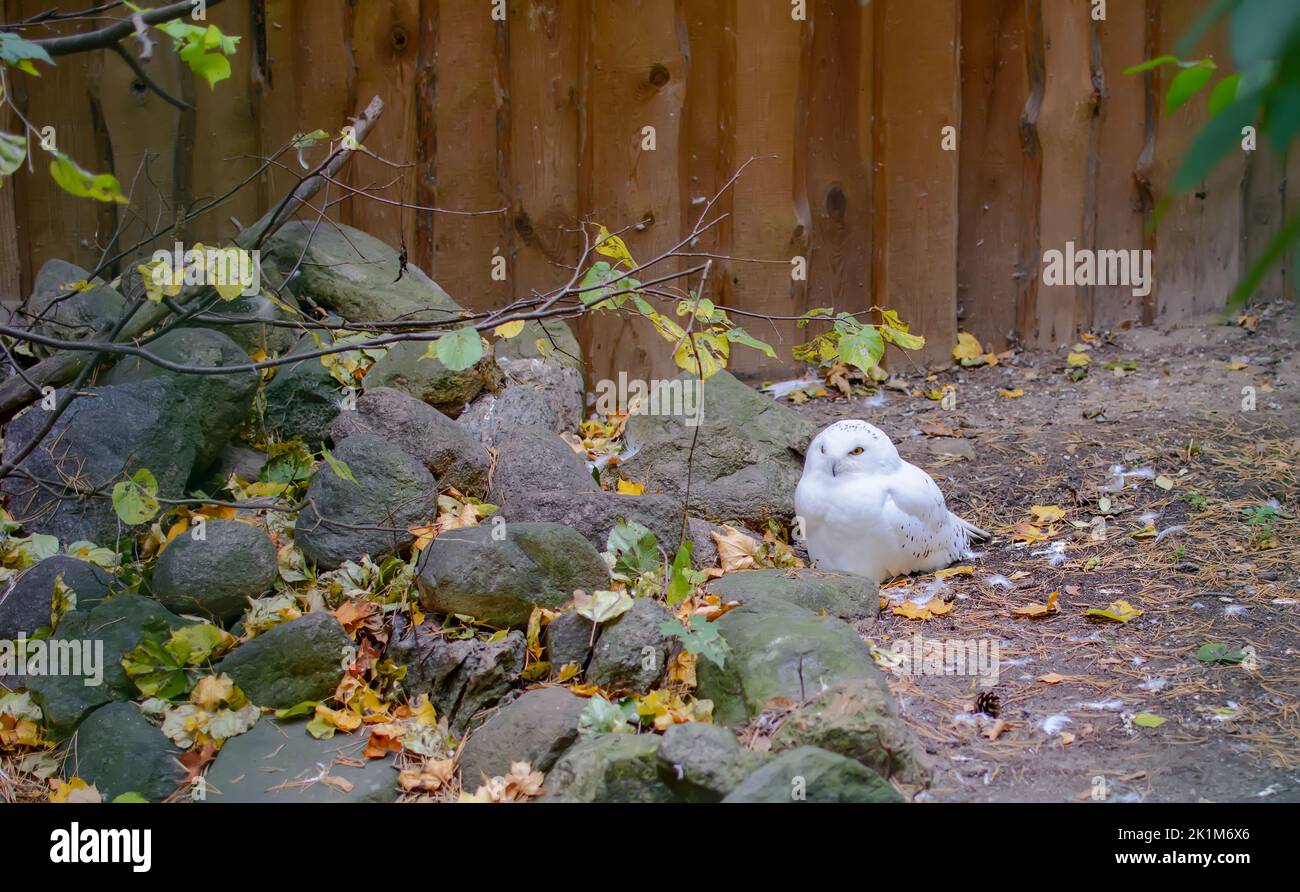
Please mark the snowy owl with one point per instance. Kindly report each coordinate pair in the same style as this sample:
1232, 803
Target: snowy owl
867, 511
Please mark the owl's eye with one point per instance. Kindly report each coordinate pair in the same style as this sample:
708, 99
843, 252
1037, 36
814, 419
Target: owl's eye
857, 451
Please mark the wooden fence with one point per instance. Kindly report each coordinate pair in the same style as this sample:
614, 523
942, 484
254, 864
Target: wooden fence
542, 111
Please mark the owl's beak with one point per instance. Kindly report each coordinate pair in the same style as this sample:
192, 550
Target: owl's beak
835, 469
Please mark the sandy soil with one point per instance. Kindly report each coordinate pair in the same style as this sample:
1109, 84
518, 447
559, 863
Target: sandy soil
1203, 573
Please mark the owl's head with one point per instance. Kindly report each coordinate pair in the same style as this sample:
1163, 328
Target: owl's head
851, 447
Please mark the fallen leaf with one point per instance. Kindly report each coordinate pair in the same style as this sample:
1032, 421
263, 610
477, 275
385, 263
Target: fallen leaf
1047, 514
735, 549
1147, 720
628, 488
1078, 360
1028, 533
1117, 612
948, 573
912, 610
967, 348
1051, 678
1035, 611
1014, 393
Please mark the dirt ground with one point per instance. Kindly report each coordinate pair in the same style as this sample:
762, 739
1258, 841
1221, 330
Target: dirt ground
1206, 570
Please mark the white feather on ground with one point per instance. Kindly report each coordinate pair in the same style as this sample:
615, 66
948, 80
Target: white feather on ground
867, 511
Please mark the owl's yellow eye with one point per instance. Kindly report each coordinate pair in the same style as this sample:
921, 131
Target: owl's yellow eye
857, 451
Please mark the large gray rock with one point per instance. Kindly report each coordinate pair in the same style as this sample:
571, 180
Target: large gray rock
355, 274
535, 728
845, 595
112, 629
569, 639
594, 514
222, 401
25, 604
403, 367
538, 394
118, 751
631, 652
345, 519
216, 575
748, 456
294, 662
461, 677
808, 774
562, 347
278, 761
609, 768
500, 581
858, 720
247, 320
70, 315
779, 651
105, 436
302, 400
533, 459
453, 455
703, 762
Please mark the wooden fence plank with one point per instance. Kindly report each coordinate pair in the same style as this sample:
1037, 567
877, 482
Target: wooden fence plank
472, 131
1121, 210
917, 95
636, 78
766, 223
996, 174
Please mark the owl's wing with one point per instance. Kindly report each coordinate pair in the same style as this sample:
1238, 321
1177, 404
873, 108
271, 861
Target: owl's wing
915, 510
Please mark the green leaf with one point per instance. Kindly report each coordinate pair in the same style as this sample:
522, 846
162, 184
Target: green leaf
19, 53
135, 500
1147, 720
13, 151
1224, 93
601, 607
862, 347
1219, 653
306, 707
459, 349
339, 467
701, 638
83, 184
1219, 138
1151, 63
1272, 255
679, 587
603, 717
740, 336
1186, 84
131, 797
1260, 29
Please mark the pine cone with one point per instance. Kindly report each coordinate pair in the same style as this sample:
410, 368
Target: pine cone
988, 703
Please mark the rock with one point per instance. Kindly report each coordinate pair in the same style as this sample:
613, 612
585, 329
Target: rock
609, 768
702, 762
106, 435
216, 575
569, 640
533, 458
403, 367
563, 346
118, 751
779, 650
500, 581
858, 720
460, 677
539, 394
296, 661
536, 728
278, 761
631, 652
595, 514
302, 400
951, 446
344, 520
748, 456
355, 274
25, 605
454, 456
257, 333
845, 595
808, 774
221, 401
112, 629
244, 463
70, 315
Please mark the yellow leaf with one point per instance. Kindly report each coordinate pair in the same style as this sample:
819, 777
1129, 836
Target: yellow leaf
74, 790
965, 570
1037, 611
1013, 394
1118, 612
912, 610
1047, 514
613, 247
509, 329
628, 488
735, 549
967, 347
1028, 533
1078, 360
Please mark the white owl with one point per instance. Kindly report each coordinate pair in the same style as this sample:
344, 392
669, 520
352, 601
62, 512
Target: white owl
867, 511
